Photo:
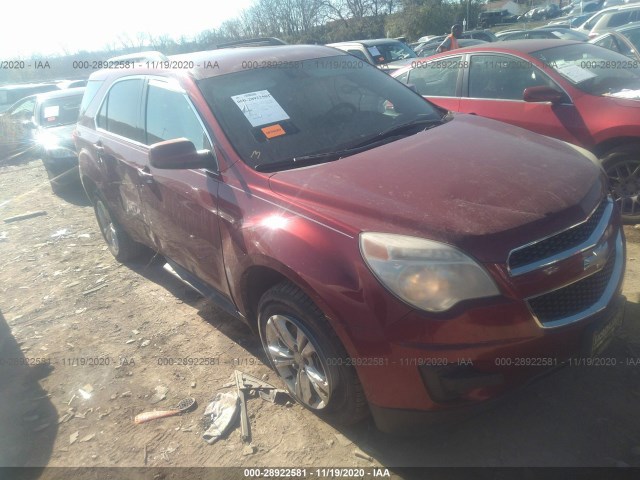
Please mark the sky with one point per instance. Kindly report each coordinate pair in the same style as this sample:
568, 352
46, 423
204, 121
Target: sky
53, 27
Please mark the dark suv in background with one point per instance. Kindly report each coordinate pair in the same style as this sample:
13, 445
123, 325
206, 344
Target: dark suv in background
386, 265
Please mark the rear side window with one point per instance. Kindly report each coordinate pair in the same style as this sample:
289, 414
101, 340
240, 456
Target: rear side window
89, 93
120, 112
169, 115
358, 54
438, 78
621, 18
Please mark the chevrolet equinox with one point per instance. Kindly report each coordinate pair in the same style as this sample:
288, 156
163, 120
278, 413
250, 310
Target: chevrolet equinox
406, 261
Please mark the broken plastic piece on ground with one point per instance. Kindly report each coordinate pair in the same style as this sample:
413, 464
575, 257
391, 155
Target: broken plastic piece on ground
223, 412
161, 394
60, 233
274, 396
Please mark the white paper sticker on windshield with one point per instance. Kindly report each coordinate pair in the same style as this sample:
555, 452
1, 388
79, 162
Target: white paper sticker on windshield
374, 51
575, 73
52, 111
260, 108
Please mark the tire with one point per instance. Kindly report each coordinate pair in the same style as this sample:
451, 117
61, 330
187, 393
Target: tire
325, 384
622, 165
56, 187
120, 244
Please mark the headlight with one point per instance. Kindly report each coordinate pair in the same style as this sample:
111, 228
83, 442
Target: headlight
50, 144
428, 275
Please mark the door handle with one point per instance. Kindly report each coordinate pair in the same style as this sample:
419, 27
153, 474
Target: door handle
145, 175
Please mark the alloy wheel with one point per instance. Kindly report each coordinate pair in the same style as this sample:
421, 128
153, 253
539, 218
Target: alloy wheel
296, 357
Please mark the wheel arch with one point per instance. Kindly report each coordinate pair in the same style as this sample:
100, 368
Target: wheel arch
259, 278
609, 144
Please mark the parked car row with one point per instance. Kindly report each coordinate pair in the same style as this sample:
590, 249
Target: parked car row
10, 94
624, 40
40, 126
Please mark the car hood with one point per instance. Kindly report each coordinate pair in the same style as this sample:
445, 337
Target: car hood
482, 185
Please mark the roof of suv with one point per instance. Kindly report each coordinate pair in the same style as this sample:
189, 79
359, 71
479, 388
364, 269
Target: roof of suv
211, 63
366, 43
67, 92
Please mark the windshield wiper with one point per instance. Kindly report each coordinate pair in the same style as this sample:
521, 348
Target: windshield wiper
399, 129
306, 160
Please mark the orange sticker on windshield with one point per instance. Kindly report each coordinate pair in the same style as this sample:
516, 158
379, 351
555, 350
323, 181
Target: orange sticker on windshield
273, 131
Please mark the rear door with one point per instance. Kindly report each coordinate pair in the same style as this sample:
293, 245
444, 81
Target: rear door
182, 204
494, 87
121, 153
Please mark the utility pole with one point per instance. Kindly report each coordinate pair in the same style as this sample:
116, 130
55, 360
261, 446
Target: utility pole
467, 19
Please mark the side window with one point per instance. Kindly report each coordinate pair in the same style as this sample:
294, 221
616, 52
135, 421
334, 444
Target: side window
358, 54
438, 78
24, 110
609, 42
618, 19
169, 115
90, 91
633, 36
120, 112
589, 24
500, 77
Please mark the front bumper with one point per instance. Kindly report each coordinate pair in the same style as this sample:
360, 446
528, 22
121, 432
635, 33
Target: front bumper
461, 388
62, 171
567, 307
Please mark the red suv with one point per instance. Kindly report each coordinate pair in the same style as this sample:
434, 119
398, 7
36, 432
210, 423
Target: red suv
406, 262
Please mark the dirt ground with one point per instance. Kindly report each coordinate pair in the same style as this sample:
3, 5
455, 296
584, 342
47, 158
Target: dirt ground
63, 298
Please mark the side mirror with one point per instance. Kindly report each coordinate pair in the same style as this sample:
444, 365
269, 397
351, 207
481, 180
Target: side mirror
29, 124
179, 154
412, 87
542, 94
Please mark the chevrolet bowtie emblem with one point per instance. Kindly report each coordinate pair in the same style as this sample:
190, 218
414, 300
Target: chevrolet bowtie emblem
597, 258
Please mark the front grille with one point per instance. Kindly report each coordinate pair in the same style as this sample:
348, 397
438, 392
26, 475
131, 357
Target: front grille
557, 243
574, 298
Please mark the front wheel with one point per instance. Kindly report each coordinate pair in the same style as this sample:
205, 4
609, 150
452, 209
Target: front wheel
622, 165
307, 355
120, 244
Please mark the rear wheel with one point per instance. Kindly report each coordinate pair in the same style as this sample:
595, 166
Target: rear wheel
120, 244
307, 355
622, 165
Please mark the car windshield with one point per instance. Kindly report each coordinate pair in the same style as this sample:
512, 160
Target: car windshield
594, 70
390, 52
60, 111
325, 105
